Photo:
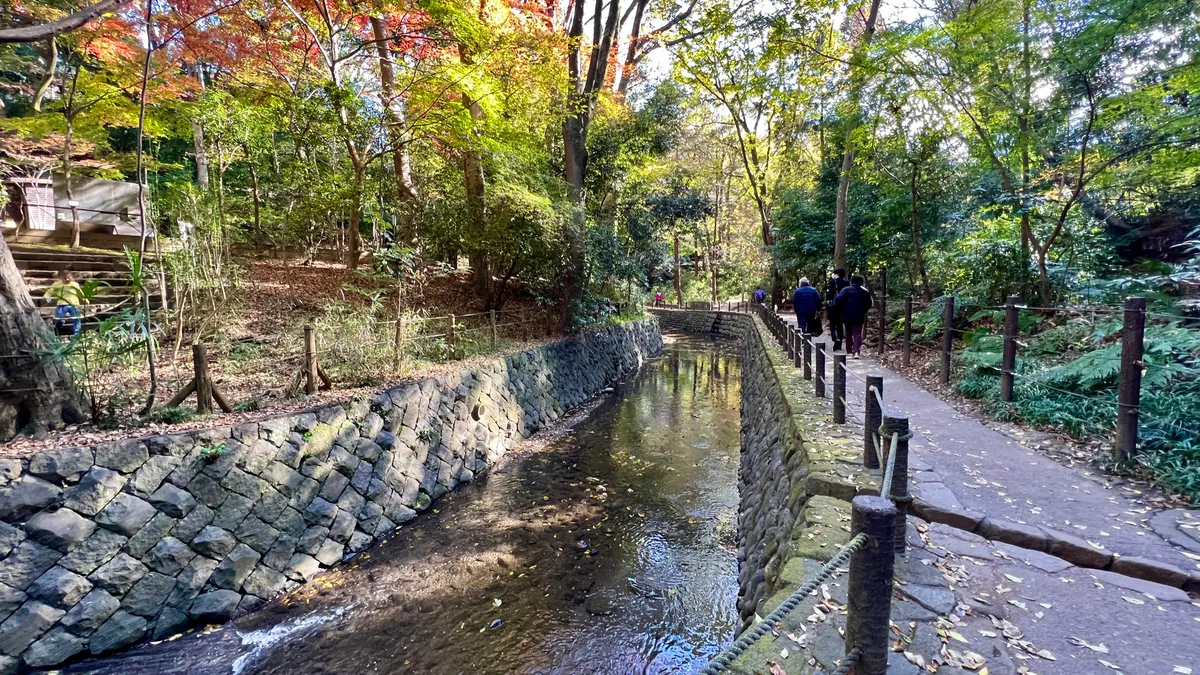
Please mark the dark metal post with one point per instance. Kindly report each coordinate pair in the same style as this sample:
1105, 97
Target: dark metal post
908, 331
947, 338
872, 418
806, 348
819, 376
1129, 393
839, 387
1008, 360
310, 361
882, 308
869, 605
899, 489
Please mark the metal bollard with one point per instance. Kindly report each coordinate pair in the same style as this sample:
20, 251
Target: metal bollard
869, 605
839, 388
899, 489
872, 418
819, 376
806, 343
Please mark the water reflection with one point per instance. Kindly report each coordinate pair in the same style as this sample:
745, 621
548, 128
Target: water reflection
608, 550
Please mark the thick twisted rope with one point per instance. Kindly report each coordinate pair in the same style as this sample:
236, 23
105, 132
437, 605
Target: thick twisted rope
722, 661
849, 662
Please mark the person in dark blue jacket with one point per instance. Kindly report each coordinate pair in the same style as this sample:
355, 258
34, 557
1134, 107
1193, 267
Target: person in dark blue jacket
853, 303
806, 302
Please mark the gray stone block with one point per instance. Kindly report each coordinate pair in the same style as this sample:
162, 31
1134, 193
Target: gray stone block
290, 523
59, 587
275, 431
94, 491
367, 450
10, 600
169, 556
283, 477
302, 422
343, 460
125, 514
233, 512
26, 625
124, 456
316, 468
1150, 570
310, 542
148, 478
359, 541
260, 454
55, 647
302, 567
256, 534
281, 552
351, 502
62, 465
170, 622
214, 542
305, 492
342, 527
93, 552
235, 567
62, 529
26, 563
264, 582
173, 501
197, 520
362, 476
150, 534
371, 425
25, 497
191, 581
214, 606
270, 505
87, 615
330, 553
333, 487
320, 512
220, 466
148, 595
10, 537
118, 575
121, 630
176, 446
243, 483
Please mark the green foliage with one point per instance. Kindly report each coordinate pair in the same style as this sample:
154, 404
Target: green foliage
169, 415
212, 453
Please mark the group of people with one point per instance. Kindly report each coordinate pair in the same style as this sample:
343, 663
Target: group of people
846, 304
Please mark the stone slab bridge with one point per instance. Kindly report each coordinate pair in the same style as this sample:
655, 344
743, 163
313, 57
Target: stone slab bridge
1013, 562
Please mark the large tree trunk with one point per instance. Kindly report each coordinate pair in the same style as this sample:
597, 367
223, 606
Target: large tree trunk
678, 282
201, 153
918, 245
397, 137
35, 392
630, 66
841, 215
473, 178
354, 237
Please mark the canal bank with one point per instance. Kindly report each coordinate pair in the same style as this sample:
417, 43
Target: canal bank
607, 545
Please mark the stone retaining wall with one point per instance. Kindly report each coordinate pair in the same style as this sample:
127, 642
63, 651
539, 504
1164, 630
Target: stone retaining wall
722, 324
104, 546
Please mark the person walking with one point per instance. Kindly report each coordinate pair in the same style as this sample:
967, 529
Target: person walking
658, 299
760, 295
66, 294
837, 283
853, 303
806, 302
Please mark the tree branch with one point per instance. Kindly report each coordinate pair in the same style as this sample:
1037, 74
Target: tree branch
63, 25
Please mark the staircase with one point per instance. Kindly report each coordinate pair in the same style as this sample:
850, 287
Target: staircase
40, 266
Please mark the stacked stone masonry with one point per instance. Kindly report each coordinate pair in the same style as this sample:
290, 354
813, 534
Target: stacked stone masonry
102, 547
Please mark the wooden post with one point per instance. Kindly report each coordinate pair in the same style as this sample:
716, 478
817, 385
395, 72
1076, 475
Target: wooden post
794, 337
869, 602
839, 387
451, 338
819, 375
947, 337
882, 308
204, 397
492, 320
872, 419
398, 346
1129, 393
899, 487
310, 361
908, 331
806, 347
1008, 360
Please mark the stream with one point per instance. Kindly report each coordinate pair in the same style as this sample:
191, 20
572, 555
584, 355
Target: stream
605, 545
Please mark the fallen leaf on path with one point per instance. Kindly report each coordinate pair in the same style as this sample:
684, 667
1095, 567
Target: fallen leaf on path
777, 670
1013, 578
1133, 601
1109, 665
1182, 670
1080, 642
1046, 654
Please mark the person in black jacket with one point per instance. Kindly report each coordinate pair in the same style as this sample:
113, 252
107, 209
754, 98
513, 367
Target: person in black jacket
853, 303
836, 283
806, 301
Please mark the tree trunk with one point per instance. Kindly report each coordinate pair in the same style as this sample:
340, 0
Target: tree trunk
918, 246
201, 153
678, 283
481, 268
401, 162
630, 67
69, 180
841, 214
354, 237
35, 393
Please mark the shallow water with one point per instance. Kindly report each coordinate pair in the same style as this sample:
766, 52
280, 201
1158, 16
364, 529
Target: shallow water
607, 547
